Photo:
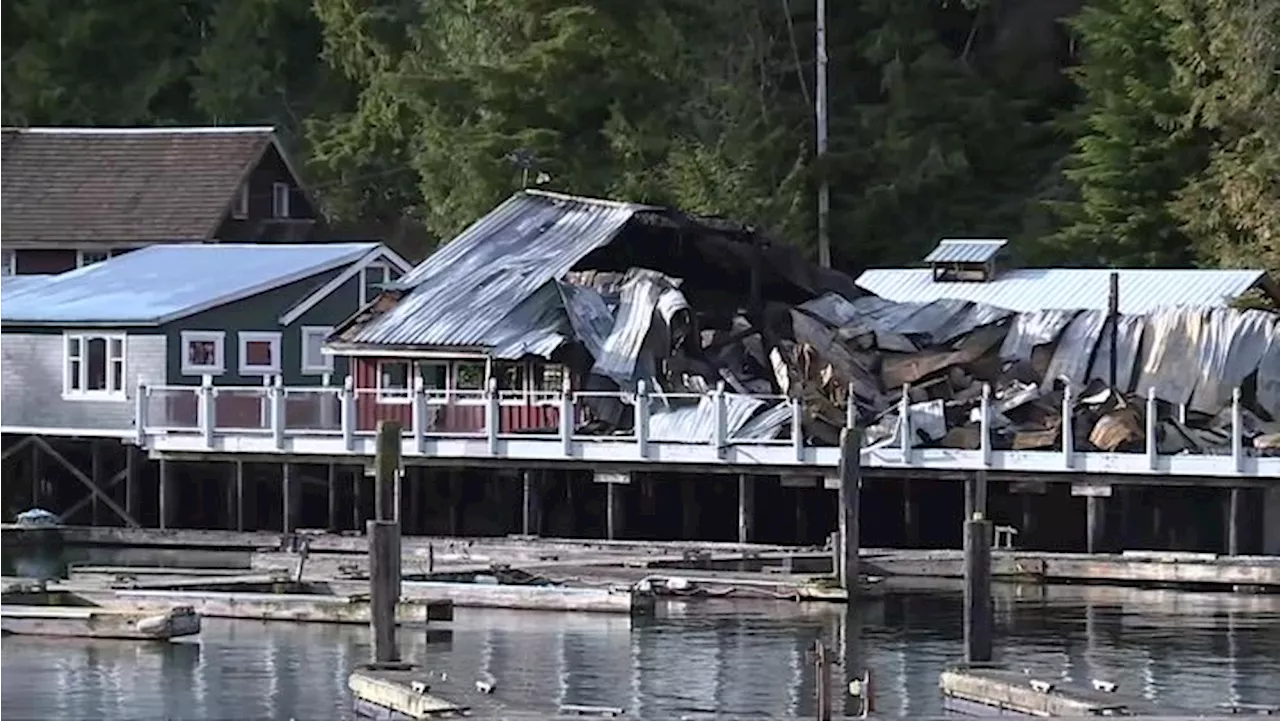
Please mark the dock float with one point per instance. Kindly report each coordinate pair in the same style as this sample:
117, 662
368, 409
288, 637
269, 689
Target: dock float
296, 607
518, 597
99, 622
398, 694
982, 690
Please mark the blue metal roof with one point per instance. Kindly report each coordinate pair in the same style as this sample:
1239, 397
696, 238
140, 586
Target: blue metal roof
965, 250
13, 285
160, 283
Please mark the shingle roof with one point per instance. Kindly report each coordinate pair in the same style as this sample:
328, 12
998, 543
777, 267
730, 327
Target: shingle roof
105, 184
1025, 290
162, 282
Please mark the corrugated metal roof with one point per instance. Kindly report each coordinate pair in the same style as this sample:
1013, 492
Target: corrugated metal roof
1141, 291
465, 289
162, 282
965, 250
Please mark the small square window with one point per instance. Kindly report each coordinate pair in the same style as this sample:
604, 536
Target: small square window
280, 193
89, 257
240, 208
372, 280
510, 376
259, 353
202, 352
548, 377
435, 375
314, 359
468, 376
393, 381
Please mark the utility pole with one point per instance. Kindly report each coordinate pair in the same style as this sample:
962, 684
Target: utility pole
820, 110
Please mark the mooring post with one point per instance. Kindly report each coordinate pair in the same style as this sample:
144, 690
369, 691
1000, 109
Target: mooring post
978, 620
849, 502
384, 546
821, 681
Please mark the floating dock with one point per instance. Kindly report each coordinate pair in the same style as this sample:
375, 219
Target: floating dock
995, 690
99, 622
398, 694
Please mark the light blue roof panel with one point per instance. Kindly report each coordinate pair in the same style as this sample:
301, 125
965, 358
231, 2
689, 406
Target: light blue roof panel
965, 250
13, 285
162, 282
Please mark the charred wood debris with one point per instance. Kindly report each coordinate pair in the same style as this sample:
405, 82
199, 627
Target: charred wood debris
842, 347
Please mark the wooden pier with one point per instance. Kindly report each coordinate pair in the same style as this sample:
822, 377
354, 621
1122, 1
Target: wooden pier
994, 690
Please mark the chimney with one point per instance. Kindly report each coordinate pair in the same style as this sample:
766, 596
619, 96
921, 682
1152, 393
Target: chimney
965, 260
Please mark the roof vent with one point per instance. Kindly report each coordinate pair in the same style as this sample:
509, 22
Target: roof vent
965, 260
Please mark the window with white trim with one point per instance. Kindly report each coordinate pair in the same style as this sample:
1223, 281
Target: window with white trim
280, 200
393, 381
89, 257
240, 208
94, 366
468, 375
9, 259
435, 376
372, 279
259, 352
203, 352
314, 359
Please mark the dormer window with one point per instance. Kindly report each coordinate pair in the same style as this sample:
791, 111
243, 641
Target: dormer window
965, 260
280, 200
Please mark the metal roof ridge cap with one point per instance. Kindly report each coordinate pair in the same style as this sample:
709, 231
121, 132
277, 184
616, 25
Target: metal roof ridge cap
620, 204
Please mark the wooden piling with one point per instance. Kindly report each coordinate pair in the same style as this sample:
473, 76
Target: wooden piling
978, 620
746, 508
384, 545
168, 508
849, 502
822, 681
335, 524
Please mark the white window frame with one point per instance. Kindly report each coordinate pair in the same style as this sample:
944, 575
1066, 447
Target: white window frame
394, 396
469, 396
9, 260
436, 396
240, 208
365, 285
313, 366
82, 262
109, 393
280, 193
244, 338
219, 340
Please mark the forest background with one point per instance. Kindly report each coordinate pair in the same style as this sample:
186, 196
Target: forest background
1126, 133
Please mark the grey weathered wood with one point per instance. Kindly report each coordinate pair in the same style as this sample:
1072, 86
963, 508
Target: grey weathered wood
849, 503
132, 469
746, 508
386, 469
384, 585
978, 621
166, 488
42, 447
238, 470
1234, 519
290, 494
334, 522
614, 511
96, 475
1095, 525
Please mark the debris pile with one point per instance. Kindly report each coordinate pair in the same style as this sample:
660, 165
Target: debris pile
832, 350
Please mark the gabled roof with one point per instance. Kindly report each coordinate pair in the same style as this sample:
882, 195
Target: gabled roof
136, 184
161, 283
1031, 289
14, 285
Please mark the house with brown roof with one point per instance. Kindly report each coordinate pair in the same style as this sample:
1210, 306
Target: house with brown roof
75, 196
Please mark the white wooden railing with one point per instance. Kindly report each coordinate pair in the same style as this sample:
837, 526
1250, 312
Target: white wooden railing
340, 420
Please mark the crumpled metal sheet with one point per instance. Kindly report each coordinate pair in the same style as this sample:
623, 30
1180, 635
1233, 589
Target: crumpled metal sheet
636, 314
838, 312
1075, 349
538, 326
689, 422
1171, 354
1230, 351
766, 424
1029, 330
1268, 395
589, 315
939, 322
1129, 334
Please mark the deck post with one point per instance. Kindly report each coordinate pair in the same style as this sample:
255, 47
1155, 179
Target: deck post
1068, 430
419, 416
140, 415
1234, 519
642, 419
347, 409
746, 508
277, 399
167, 505
1237, 431
720, 421
132, 465
492, 416
904, 423
291, 500
977, 589
1153, 453
849, 499
797, 427
206, 404
1095, 525
384, 545
984, 425
334, 523
614, 511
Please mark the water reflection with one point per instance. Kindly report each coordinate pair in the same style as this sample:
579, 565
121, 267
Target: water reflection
727, 657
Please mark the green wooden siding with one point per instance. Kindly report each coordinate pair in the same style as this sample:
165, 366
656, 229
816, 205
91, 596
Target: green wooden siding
261, 313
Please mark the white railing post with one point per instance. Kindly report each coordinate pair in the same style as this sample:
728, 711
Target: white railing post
984, 426
419, 401
1182, 413
642, 419
720, 418
208, 409
797, 427
492, 416
850, 413
1153, 453
904, 423
140, 414
276, 392
566, 416
347, 408
1237, 431
1068, 430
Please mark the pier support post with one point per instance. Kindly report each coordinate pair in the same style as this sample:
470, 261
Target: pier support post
455, 502
978, 620
357, 499
1271, 520
98, 476
531, 507
132, 467
235, 497
335, 522
688, 510
384, 545
1095, 523
849, 502
615, 519
746, 508
292, 502
910, 515
168, 505
37, 475
1235, 517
